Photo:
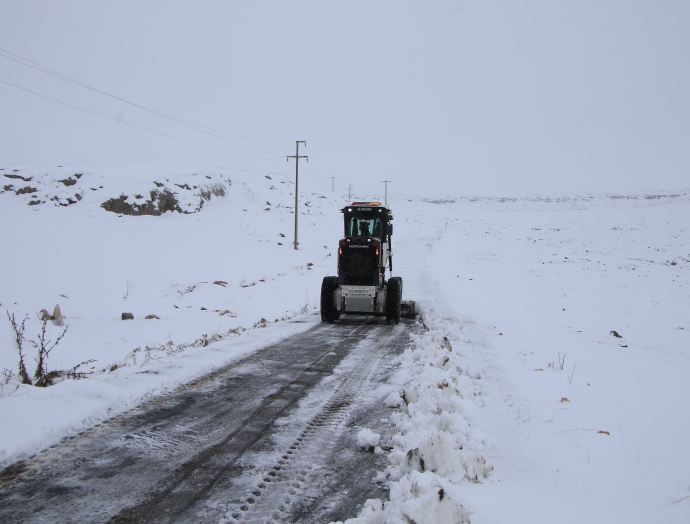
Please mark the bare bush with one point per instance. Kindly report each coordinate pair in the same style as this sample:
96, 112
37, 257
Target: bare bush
42, 377
128, 288
214, 189
44, 347
561, 361
19, 337
570, 378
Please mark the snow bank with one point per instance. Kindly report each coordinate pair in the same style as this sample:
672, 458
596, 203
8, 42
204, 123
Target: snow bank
440, 437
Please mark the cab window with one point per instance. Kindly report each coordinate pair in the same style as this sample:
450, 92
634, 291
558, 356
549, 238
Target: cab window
364, 227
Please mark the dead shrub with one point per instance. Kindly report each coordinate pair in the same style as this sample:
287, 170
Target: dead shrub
41, 377
214, 189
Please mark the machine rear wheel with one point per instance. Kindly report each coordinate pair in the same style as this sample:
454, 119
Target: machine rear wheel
329, 313
393, 299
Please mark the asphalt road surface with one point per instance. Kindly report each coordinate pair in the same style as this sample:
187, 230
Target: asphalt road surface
269, 438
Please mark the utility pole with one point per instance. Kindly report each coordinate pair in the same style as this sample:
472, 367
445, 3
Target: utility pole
349, 192
386, 182
332, 184
297, 157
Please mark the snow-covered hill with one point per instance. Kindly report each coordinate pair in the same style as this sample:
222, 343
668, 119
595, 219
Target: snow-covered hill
560, 420
223, 265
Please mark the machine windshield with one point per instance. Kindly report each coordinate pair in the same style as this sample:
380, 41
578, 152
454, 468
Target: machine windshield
364, 226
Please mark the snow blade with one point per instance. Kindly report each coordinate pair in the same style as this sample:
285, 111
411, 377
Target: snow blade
407, 309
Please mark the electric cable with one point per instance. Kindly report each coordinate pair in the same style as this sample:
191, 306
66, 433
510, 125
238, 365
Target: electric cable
26, 62
310, 167
134, 125
325, 164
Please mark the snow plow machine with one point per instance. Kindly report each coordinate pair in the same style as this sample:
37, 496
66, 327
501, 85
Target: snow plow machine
364, 254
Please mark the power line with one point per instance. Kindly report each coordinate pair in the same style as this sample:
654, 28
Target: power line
134, 125
198, 127
51, 72
320, 175
312, 166
322, 170
26, 62
325, 164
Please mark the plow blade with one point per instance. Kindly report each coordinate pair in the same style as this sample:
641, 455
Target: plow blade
407, 309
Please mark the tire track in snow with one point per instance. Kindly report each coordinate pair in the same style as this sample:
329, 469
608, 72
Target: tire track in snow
191, 482
297, 474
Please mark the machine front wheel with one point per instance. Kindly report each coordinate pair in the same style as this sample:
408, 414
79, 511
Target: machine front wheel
329, 312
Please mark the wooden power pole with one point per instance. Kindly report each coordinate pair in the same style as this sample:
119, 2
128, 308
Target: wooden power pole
386, 182
297, 156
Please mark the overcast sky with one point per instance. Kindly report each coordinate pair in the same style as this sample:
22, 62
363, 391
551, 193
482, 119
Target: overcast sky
441, 98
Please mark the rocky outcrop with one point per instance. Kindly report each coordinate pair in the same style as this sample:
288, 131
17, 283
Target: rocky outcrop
159, 203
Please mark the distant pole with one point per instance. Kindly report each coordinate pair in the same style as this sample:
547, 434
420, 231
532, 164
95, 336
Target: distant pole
332, 184
349, 192
297, 157
386, 182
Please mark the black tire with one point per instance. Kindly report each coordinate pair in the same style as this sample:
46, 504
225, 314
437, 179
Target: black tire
329, 313
393, 299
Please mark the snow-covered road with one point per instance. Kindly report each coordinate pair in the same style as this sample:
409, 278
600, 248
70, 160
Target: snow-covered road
273, 436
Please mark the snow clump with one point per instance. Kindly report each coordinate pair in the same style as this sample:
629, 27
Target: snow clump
367, 439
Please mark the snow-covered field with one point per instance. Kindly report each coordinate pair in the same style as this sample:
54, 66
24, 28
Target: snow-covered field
518, 402
578, 425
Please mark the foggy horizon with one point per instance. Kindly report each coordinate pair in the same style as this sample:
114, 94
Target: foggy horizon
450, 98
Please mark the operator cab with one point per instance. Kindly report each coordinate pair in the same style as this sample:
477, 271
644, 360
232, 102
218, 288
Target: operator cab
367, 219
364, 253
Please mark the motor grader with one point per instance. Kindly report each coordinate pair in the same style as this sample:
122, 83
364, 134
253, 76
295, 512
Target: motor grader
364, 254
